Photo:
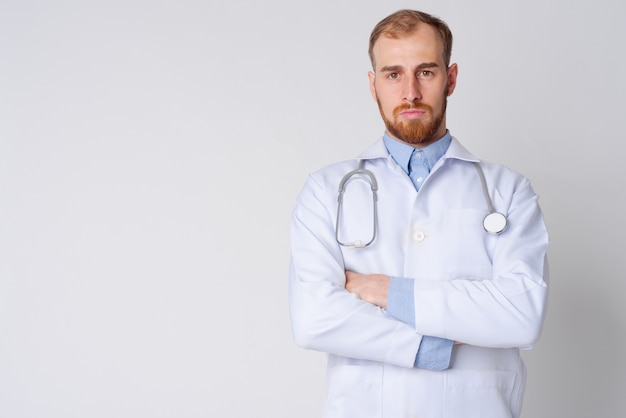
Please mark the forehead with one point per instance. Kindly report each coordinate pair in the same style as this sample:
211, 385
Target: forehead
423, 45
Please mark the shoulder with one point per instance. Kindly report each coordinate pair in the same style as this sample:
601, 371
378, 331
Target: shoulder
495, 172
333, 173
504, 183
503, 176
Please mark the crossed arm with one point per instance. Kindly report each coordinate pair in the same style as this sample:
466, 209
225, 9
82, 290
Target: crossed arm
343, 317
372, 288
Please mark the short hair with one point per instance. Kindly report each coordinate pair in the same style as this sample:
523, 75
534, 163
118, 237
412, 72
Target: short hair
403, 23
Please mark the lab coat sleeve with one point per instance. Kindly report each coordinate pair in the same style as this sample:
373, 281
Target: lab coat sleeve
324, 316
502, 311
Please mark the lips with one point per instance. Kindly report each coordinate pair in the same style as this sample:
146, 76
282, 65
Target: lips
412, 113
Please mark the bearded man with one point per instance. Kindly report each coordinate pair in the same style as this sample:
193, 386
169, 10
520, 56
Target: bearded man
421, 304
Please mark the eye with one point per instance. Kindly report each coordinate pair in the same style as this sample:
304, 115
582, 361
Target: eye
393, 76
425, 74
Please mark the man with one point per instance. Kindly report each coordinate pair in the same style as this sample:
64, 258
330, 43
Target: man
422, 311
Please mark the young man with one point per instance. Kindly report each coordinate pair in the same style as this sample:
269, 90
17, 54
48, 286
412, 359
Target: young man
420, 303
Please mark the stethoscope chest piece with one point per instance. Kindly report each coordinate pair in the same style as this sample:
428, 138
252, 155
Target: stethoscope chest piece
494, 223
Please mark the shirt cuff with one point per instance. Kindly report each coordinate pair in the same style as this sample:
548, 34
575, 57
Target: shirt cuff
434, 353
400, 300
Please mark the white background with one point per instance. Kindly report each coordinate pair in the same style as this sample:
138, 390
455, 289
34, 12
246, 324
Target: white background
151, 153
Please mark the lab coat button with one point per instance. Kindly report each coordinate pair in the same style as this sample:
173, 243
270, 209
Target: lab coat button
419, 236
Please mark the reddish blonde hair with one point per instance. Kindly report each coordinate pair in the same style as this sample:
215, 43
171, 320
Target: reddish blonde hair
403, 23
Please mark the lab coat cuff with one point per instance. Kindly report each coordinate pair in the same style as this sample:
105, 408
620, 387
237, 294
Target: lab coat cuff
430, 305
402, 346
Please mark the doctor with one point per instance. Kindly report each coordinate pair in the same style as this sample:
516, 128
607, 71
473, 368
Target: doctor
428, 319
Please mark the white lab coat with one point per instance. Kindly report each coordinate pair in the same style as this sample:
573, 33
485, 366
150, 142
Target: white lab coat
486, 291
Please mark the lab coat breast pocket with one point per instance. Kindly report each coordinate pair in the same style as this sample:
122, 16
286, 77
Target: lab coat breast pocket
468, 248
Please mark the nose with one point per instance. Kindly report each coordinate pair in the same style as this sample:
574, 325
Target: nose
411, 91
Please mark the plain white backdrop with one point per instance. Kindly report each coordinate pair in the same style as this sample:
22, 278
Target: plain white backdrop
151, 153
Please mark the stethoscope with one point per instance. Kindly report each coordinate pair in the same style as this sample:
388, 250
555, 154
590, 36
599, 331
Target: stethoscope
494, 222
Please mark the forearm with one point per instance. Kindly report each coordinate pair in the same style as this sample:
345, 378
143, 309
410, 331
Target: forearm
327, 318
481, 312
324, 315
397, 295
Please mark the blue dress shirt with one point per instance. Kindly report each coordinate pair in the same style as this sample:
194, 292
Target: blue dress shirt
434, 353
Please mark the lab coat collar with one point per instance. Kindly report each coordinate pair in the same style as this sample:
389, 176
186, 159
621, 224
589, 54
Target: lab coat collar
459, 152
455, 151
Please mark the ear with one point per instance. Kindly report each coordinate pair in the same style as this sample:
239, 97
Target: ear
453, 71
372, 78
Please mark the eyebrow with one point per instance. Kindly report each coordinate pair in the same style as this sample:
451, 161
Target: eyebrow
394, 68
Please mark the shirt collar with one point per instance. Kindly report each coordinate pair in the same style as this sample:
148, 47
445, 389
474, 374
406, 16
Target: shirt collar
402, 152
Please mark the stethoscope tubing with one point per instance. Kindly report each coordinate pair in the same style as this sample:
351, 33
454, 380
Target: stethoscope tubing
342, 189
494, 222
